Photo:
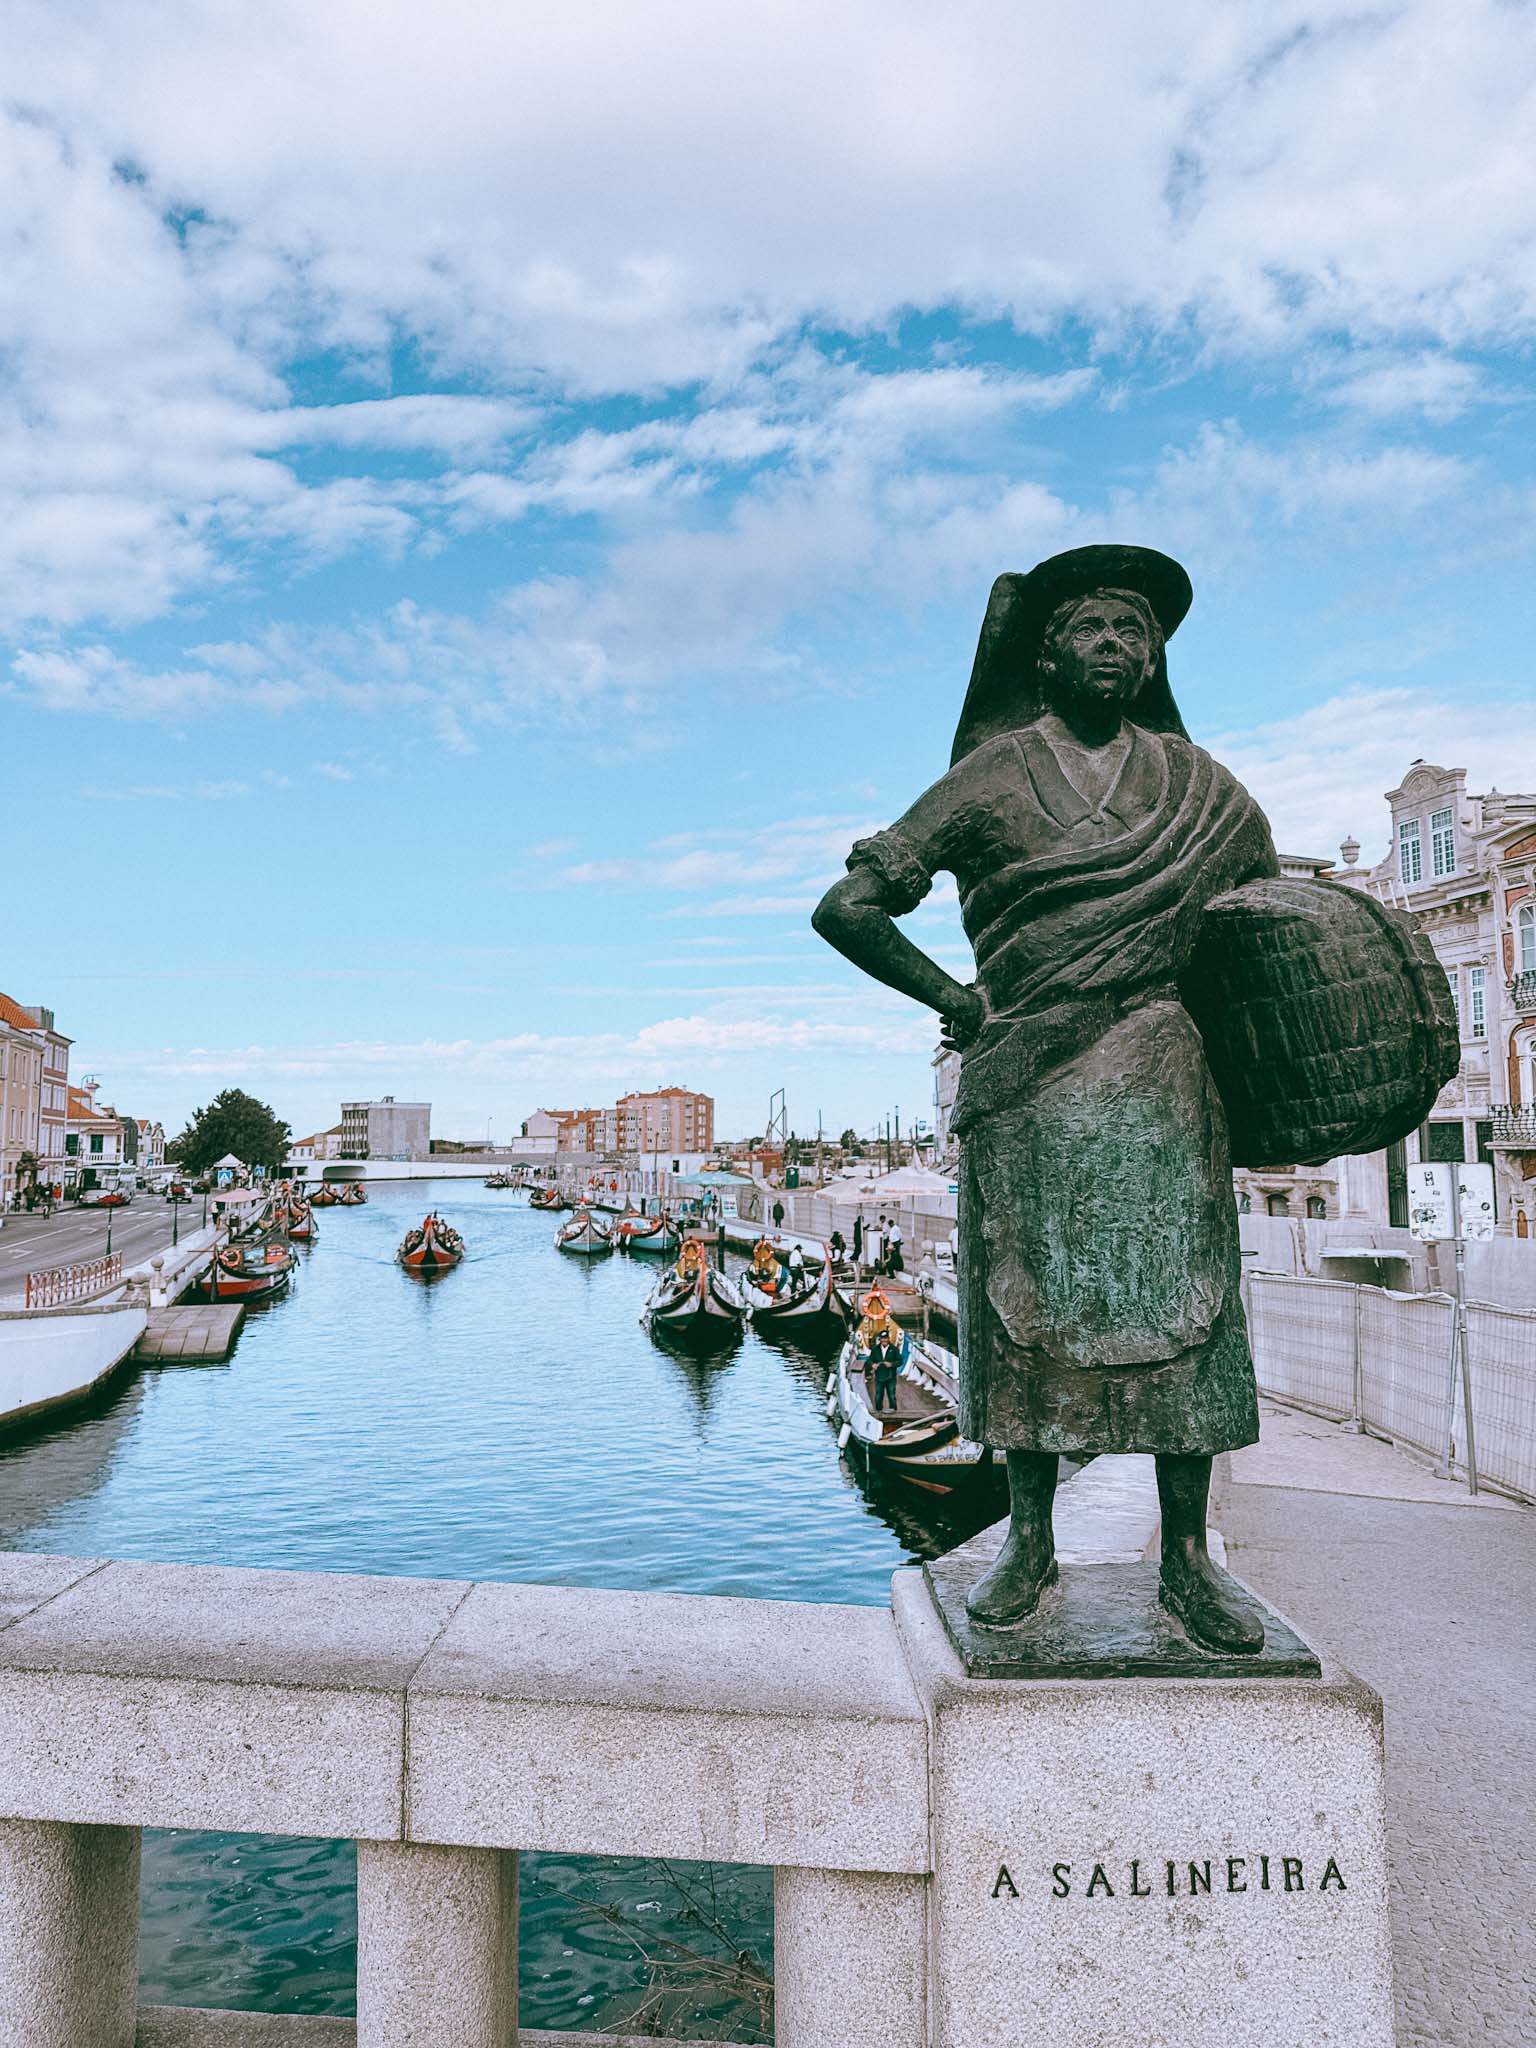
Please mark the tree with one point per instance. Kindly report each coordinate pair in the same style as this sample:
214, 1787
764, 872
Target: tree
28, 1167
232, 1122
849, 1140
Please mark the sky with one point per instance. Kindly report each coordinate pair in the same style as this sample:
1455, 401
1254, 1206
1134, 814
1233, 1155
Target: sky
494, 501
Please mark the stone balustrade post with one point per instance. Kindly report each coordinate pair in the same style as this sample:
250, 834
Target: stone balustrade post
850, 1956
157, 1282
436, 1946
69, 1927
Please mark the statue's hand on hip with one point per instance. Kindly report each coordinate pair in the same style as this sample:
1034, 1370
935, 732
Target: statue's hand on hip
961, 1024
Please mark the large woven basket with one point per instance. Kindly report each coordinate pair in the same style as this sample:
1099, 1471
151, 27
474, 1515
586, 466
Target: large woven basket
1326, 1017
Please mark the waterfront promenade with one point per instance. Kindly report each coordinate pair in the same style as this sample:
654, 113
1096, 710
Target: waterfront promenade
1424, 1591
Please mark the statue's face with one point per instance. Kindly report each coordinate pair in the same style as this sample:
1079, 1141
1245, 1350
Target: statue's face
1104, 653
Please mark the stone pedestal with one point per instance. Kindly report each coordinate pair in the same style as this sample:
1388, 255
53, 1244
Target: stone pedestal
69, 1930
1186, 1861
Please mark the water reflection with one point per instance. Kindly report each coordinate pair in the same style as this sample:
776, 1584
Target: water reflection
509, 1420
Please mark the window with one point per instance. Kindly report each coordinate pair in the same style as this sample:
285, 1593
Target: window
1277, 1205
1317, 1208
1525, 940
1443, 1140
1410, 856
95, 1141
1476, 977
1453, 978
1442, 840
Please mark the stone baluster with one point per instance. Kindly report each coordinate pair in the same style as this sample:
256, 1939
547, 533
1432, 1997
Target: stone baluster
850, 1952
69, 1927
436, 1946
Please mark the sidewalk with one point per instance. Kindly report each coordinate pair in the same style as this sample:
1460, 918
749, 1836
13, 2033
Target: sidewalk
1426, 1593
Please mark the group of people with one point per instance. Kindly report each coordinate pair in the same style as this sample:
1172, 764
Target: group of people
879, 1247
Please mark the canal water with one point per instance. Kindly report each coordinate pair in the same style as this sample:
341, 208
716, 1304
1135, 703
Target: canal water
508, 1420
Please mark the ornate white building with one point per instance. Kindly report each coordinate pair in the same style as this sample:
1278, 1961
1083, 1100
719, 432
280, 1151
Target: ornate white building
1464, 866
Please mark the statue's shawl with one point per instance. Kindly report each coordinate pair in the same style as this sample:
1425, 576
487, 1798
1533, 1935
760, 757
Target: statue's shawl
1078, 912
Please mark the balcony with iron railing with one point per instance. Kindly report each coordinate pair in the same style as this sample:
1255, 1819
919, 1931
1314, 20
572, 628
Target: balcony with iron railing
1513, 1129
1522, 993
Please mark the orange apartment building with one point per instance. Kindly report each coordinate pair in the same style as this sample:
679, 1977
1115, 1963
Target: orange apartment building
665, 1120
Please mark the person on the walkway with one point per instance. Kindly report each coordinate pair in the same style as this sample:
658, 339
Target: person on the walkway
837, 1244
778, 1214
893, 1259
885, 1361
858, 1237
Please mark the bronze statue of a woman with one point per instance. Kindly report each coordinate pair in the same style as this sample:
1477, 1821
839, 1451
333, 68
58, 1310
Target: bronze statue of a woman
1099, 1260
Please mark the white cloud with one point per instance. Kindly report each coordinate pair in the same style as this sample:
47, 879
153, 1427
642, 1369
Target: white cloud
1321, 775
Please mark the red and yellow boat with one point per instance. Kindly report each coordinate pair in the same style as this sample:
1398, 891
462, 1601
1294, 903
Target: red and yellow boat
248, 1271
432, 1247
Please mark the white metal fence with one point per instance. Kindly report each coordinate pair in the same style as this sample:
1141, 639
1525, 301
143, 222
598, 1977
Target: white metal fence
1385, 1361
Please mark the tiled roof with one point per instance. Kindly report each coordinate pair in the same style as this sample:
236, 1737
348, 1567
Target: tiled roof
81, 1112
11, 1012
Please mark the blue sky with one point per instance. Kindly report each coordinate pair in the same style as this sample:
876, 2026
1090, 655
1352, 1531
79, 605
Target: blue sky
494, 504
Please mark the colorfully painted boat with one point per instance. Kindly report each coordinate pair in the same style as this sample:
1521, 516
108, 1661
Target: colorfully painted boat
647, 1234
432, 1247
302, 1228
692, 1300
774, 1293
920, 1439
548, 1198
353, 1195
324, 1197
584, 1234
248, 1271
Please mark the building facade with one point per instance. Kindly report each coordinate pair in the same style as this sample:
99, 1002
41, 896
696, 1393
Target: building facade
21, 1094
1464, 867
93, 1138
386, 1129
665, 1120
320, 1146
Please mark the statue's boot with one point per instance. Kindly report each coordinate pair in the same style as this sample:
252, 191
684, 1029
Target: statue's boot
1010, 1590
1214, 1610
1210, 1604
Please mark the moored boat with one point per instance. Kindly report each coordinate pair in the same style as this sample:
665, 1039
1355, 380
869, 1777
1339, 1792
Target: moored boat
352, 1195
548, 1198
432, 1247
647, 1234
692, 1300
775, 1293
248, 1270
584, 1234
302, 1227
920, 1439
324, 1197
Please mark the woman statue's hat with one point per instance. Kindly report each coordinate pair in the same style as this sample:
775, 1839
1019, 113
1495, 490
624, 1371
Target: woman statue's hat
1005, 687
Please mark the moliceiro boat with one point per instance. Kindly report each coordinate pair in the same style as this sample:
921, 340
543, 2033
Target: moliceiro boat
691, 1299
324, 1197
249, 1270
584, 1234
647, 1234
302, 1227
777, 1292
432, 1247
547, 1198
353, 1195
919, 1438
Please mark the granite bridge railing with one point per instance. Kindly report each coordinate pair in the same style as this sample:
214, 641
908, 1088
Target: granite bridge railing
942, 1846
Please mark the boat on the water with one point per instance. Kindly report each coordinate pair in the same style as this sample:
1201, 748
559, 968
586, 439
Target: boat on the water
248, 1270
920, 1440
499, 1180
775, 1293
432, 1247
352, 1195
647, 1234
548, 1198
302, 1227
584, 1234
692, 1300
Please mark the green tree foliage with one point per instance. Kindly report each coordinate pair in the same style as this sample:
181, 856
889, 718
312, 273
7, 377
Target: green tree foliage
232, 1122
850, 1143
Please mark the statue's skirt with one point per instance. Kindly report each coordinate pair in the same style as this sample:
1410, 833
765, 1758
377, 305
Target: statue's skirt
1099, 1256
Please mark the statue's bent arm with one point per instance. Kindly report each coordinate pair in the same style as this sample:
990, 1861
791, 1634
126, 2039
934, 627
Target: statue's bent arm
852, 916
